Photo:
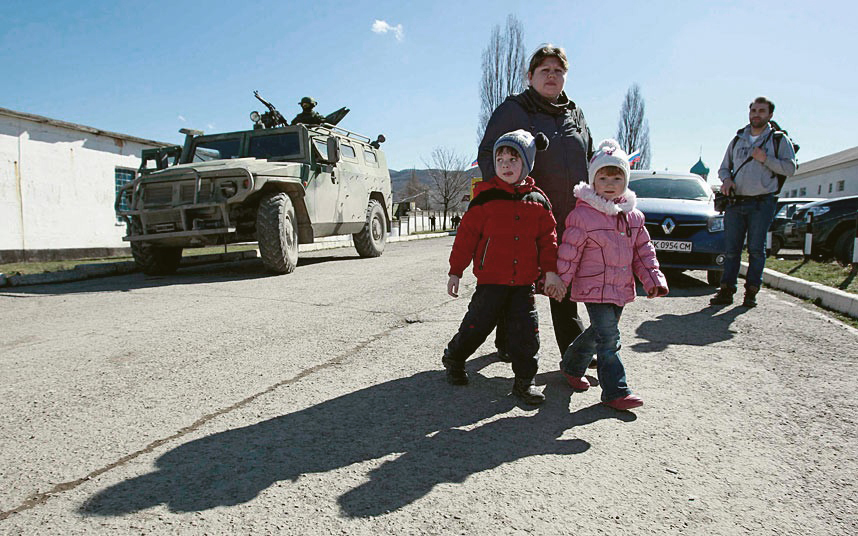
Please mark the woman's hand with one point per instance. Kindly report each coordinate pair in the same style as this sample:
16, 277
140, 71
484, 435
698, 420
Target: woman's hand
453, 286
554, 287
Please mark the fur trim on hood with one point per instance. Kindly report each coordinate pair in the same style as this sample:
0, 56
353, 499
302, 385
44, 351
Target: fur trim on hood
625, 203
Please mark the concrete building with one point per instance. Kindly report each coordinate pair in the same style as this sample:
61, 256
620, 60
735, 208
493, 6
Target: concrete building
57, 186
835, 175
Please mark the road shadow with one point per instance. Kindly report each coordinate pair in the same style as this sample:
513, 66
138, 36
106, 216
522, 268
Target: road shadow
242, 270
701, 328
420, 416
681, 285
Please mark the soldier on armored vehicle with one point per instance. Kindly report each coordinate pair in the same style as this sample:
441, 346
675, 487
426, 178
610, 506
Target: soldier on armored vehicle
308, 115
278, 185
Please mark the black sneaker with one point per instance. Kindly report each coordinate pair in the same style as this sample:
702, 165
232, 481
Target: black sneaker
750, 296
456, 374
724, 296
527, 392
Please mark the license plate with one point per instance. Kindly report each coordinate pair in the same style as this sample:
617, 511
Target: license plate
672, 245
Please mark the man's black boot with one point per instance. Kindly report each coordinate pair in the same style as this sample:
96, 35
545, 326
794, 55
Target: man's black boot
456, 374
525, 389
503, 356
750, 296
724, 296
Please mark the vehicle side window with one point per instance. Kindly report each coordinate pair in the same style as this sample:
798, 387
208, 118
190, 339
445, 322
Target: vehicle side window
321, 148
370, 158
348, 151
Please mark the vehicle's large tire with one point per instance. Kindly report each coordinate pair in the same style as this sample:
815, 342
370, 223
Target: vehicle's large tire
713, 277
843, 247
372, 238
154, 260
277, 233
777, 244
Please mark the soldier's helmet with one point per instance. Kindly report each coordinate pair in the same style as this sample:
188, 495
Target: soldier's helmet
308, 100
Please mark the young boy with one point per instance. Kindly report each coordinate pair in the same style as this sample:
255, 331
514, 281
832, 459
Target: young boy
509, 234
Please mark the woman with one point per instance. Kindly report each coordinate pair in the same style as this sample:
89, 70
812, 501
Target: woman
544, 107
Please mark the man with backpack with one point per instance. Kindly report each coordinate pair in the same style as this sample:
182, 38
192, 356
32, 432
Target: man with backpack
757, 162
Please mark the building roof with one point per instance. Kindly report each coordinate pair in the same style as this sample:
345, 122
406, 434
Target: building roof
81, 128
700, 168
830, 160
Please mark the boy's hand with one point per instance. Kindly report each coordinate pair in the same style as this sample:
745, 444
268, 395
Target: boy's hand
657, 291
554, 286
453, 286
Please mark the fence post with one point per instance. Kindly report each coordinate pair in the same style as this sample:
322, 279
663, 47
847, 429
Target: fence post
808, 235
855, 244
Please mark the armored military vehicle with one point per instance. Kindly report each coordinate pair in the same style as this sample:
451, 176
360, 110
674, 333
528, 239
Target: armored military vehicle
276, 185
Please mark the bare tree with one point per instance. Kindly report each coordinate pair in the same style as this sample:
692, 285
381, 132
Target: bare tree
450, 181
633, 128
504, 71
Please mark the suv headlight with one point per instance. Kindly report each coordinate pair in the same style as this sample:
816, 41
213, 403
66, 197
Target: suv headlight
816, 211
715, 224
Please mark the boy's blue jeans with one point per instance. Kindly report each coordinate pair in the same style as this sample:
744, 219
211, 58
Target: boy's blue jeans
602, 338
751, 217
517, 307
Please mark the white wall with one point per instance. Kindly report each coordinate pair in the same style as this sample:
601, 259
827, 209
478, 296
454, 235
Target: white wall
817, 183
57, 186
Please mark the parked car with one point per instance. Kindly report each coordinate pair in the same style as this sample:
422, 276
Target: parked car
687, 232
834, 223
786, 207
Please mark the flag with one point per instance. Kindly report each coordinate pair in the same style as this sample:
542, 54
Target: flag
635, 156
473, 165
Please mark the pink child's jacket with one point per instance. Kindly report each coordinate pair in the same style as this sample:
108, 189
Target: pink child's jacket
603, 245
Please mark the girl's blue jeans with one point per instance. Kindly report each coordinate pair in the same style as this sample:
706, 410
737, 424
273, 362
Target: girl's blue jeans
602, 338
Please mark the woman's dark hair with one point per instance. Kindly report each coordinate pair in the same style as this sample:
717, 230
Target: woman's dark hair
547, 51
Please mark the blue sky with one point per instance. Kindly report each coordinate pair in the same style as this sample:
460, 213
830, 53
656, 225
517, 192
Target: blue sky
148, 69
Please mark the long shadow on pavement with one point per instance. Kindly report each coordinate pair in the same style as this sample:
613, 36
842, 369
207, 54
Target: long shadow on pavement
700, 328
419, 416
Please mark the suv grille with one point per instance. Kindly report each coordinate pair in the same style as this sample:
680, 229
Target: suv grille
682, 230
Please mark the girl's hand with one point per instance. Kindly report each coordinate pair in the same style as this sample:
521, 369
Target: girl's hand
453, 286
657, 291
554, 286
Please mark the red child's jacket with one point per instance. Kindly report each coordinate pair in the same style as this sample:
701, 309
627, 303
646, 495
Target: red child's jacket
508, 232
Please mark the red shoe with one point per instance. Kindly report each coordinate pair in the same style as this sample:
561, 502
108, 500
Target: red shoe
577, 383
624, 403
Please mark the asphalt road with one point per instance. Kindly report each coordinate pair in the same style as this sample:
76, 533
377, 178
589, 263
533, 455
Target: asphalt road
222, 400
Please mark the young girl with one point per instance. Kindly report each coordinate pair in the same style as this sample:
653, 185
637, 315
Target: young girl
604, 246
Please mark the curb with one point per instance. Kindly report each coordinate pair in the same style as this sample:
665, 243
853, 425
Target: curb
82, 272
827, 297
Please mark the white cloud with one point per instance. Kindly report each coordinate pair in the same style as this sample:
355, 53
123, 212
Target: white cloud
182, 118
380, 27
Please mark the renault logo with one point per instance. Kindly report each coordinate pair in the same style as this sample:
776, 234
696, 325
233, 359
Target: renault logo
668, 226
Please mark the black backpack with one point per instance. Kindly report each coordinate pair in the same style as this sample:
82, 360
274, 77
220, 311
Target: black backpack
777, 135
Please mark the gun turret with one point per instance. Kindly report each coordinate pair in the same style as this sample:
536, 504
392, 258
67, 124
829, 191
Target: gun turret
270, 119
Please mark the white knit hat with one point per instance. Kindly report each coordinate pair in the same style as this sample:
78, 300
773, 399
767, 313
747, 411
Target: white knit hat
525, 144
610, 153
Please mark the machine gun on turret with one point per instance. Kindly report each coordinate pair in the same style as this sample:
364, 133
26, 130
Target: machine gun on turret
270, 119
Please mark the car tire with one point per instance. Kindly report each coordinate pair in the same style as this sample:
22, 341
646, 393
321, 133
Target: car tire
151, 259
843, 247
370, 241
277, 233
713, 277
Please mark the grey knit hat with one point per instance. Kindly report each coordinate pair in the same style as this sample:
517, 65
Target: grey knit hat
526, 145
609, 153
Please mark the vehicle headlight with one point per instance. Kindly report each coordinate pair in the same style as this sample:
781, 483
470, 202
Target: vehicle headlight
715, 224
817, 211
228, 188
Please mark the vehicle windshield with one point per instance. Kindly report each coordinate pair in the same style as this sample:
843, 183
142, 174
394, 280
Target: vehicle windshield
670, 188
282, 145
216, 149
